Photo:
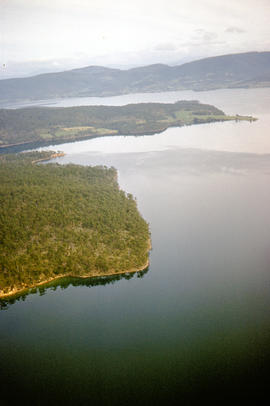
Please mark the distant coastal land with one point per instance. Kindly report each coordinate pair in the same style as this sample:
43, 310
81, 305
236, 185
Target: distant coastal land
242, 70
49, 125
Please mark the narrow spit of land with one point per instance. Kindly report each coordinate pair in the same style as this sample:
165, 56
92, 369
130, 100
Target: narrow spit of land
65, 220
56, 125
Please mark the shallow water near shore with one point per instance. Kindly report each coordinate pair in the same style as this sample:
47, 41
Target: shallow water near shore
198, 322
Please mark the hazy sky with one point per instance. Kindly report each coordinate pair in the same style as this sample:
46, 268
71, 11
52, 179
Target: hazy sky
65, 33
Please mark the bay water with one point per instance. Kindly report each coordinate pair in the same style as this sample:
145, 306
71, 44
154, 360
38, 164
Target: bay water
197, 322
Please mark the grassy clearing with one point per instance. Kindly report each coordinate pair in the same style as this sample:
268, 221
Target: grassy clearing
71, 123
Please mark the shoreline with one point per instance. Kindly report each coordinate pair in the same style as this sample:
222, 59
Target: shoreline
54, 155
15, 292
8, 104
56, 141
24, 288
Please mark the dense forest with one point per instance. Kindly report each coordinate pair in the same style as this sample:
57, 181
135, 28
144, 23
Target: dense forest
47, 124
65, 220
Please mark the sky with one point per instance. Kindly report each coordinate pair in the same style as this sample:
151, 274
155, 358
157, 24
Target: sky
51, 35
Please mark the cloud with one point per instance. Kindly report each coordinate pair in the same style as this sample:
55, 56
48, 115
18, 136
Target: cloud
200, 35
235, 30
127, 33
209, 36
165, 46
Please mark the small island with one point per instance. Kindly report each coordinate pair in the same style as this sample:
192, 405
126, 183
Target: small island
65, 220
47, 125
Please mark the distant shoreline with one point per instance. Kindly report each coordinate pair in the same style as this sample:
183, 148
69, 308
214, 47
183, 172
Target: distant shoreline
38, 143
235, 70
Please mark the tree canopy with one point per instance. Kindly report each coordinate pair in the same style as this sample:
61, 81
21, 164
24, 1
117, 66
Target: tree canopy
65, 220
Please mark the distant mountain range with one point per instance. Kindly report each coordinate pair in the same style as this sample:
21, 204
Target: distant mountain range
250, 69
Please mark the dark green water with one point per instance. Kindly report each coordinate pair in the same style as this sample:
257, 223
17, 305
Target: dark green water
197, 324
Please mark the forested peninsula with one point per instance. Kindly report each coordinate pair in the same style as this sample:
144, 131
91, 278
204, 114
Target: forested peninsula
49, 125
65, 220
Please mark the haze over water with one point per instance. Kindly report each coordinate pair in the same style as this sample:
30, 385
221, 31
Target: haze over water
230, 136
198, 322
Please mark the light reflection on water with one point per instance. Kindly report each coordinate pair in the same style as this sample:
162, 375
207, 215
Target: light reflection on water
232, 101
231, 136
228, 136
199, 321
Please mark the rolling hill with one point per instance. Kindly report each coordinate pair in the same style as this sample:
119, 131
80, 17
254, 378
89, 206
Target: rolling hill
228, 71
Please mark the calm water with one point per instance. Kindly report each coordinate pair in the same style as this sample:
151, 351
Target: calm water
198, 322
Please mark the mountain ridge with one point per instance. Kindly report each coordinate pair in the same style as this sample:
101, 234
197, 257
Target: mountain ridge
250, 69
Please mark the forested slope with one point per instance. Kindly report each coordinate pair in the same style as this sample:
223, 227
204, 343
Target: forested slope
65, 220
